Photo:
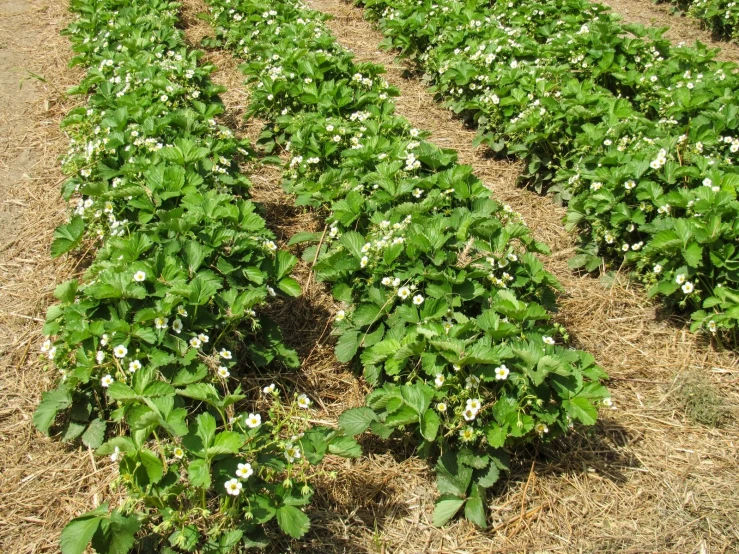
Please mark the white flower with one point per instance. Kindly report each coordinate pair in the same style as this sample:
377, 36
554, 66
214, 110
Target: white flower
364, 261
471, 381
404, 292
292, 453
106, 381
417, 193
134, 366
541, 428
455, 367
223, 372
467, 434
469, 414
414, 133
177, 326
629, 185
501, 373
657, 269
139, 276
161, 323
244, 471
100, 356
304, 402
625, 247
269, 389
203, 337
688, 287
680, 278
195, 342
387, 281
340, 315
115, 455
596, 186
396, 282
548, 340
271, 291
181, 311
439, 380
418, 300
474, 404
707, 182
441, 406
178, 452
233, 487
712, 326
253, 421
47, 346
270, 245
120, 351
225, 354
607, 402
609, 238
52, 352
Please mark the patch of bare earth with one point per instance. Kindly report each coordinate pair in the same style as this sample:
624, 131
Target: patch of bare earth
682, 28
43, 483
645, 478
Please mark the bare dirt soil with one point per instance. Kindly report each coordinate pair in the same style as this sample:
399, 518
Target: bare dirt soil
42, 483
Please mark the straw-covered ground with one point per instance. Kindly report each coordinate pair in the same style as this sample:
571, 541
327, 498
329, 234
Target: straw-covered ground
658, 474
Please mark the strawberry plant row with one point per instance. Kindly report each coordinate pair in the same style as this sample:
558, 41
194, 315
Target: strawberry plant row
159, 342
445, 306
638, 137
719, 16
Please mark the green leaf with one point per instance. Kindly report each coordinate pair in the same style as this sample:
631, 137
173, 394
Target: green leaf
67, 237
430, 423
353, 242
581, 409
227, 442
78, 533
118, 534
94, 436
451, 476
357, 420
475, 511
152, 465
292, 521
290, 286
199, 473
51, 403
347, 346
285, 262
345, 447
66, 291
491, 477
446, 508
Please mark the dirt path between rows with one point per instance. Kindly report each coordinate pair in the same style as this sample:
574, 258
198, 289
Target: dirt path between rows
681, 28
43, 484
649, 478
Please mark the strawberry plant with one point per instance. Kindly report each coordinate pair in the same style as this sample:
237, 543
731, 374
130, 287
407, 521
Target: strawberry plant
156, 340
445, 306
